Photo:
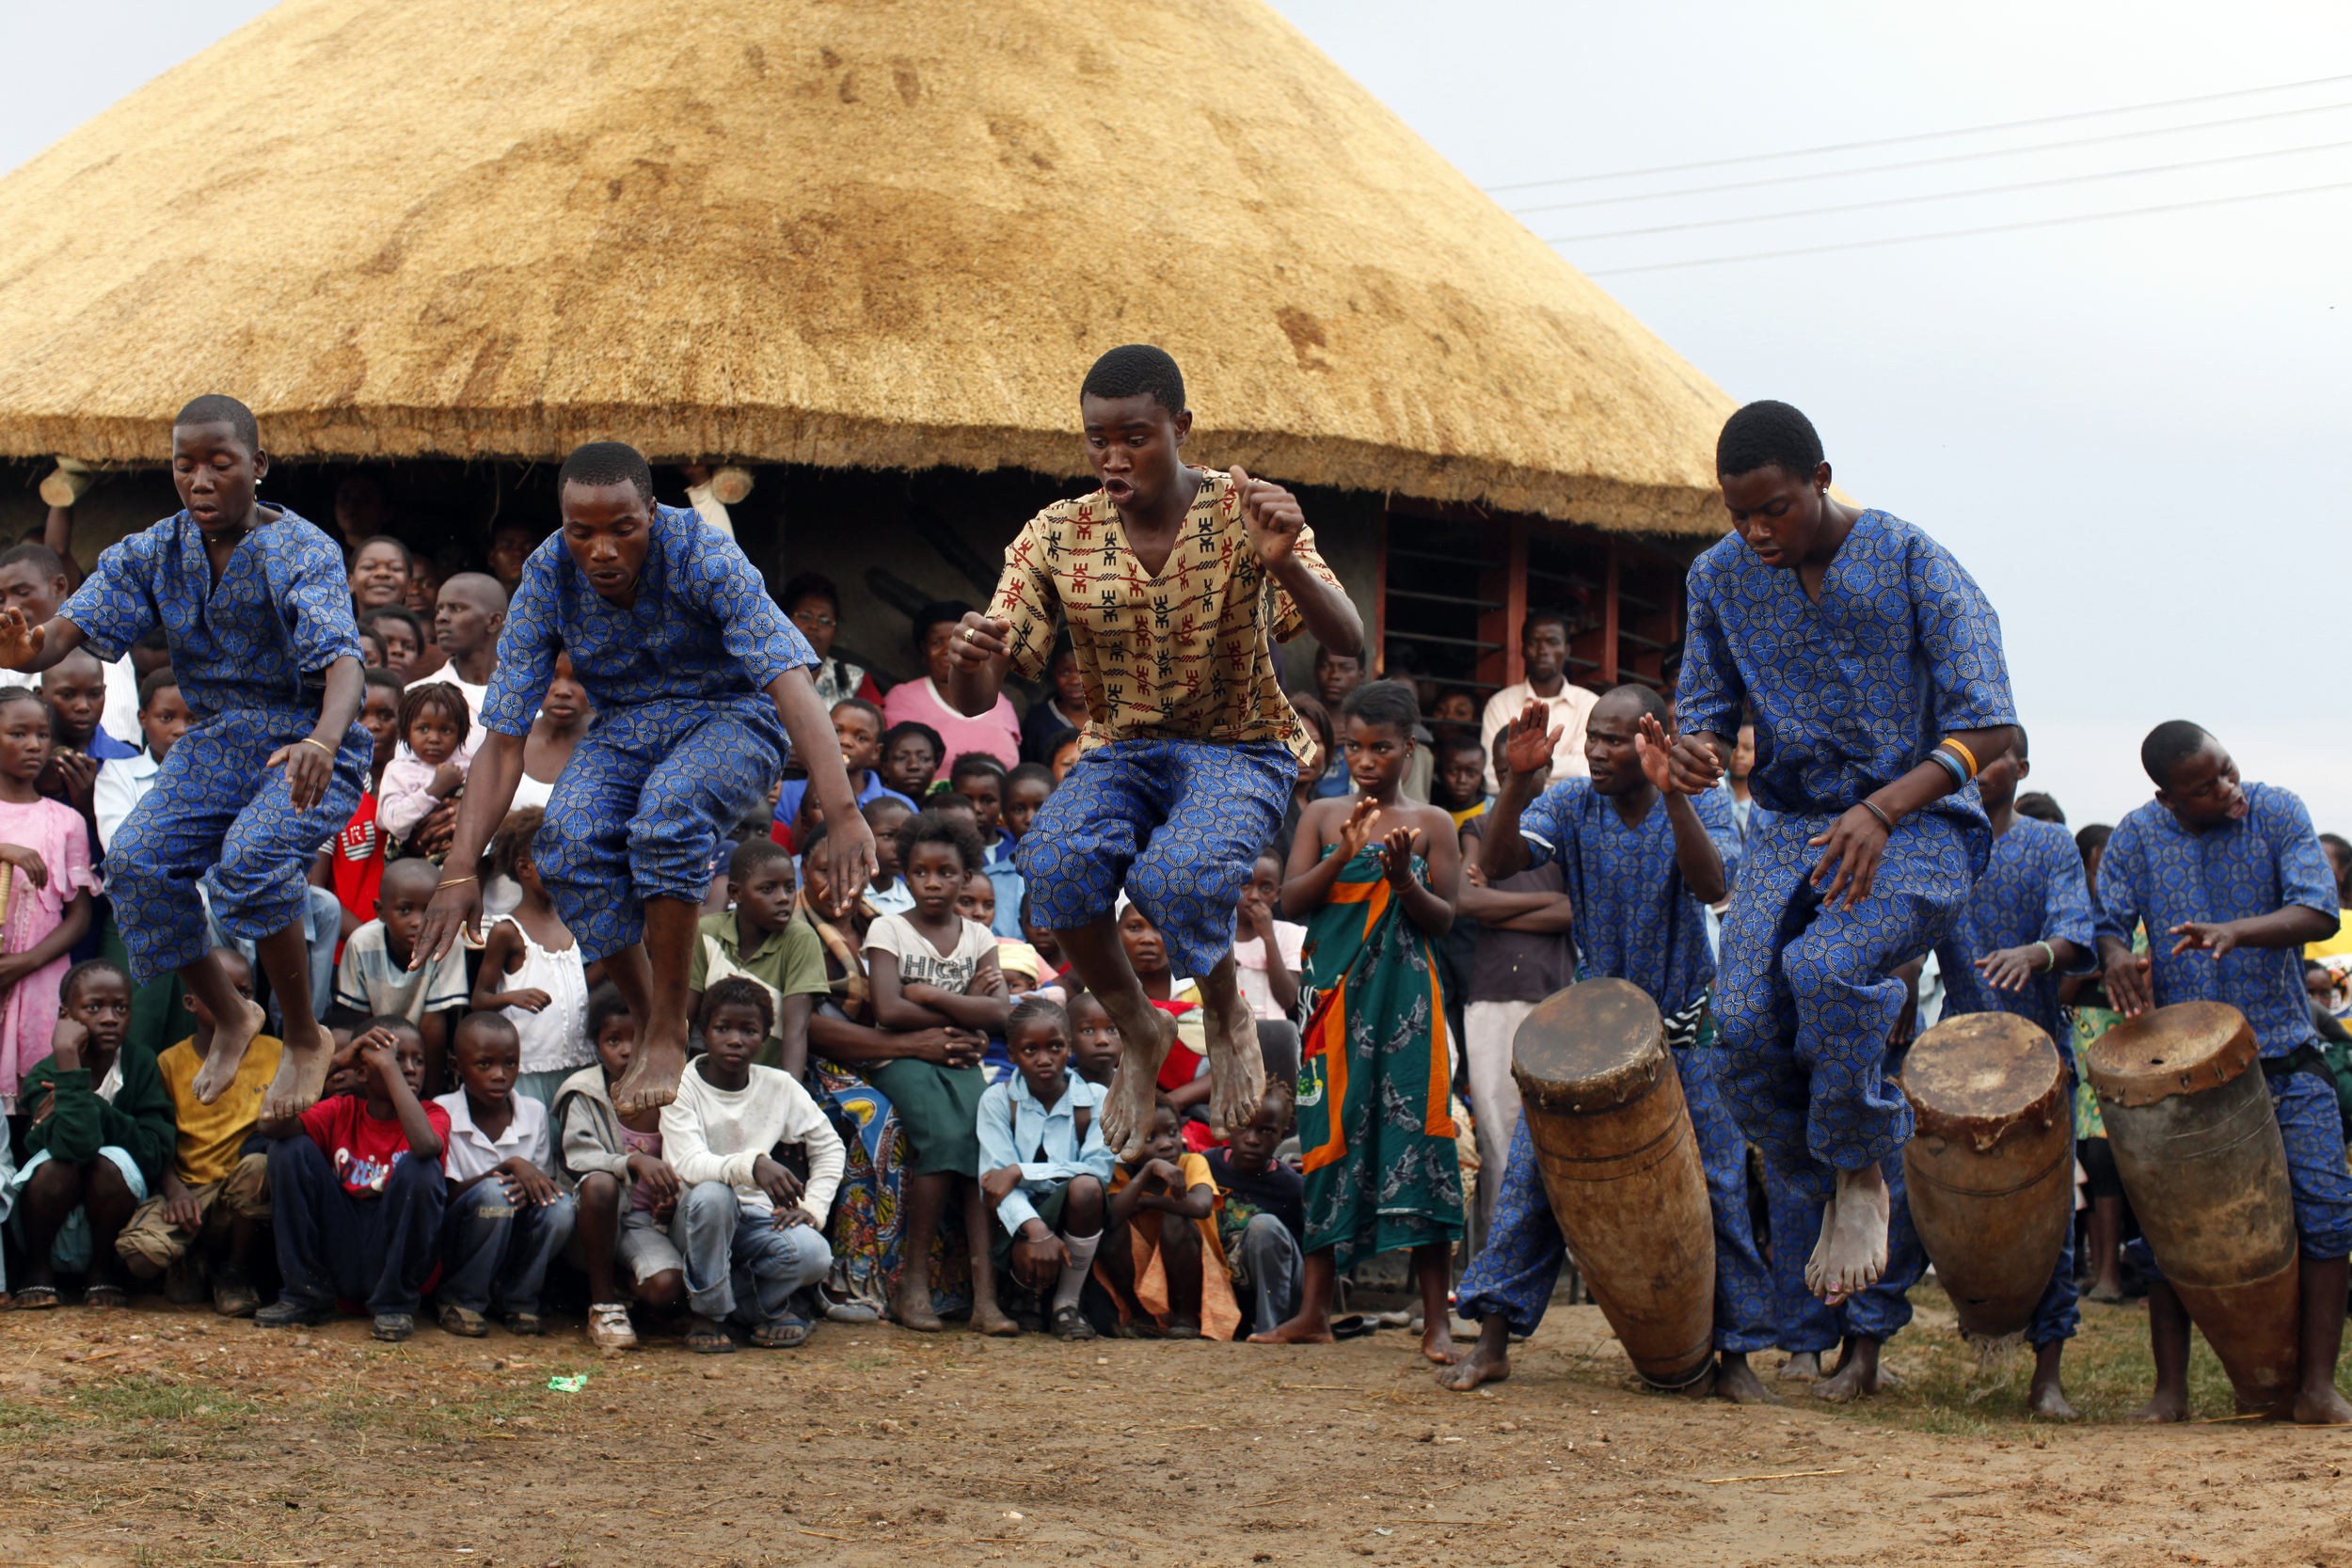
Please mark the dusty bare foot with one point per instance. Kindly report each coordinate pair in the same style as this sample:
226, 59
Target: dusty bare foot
911, 1305
2048, 1401
229, 1039
1236, 1068
1803, 1366
1735, 1381
1858, 1375
1301, 1330
301, 1074
1489, 1360
651, 1081
1127, 1109
1851, 1253
2322, 1407
1437, 1342
2169, 1405
988, 1319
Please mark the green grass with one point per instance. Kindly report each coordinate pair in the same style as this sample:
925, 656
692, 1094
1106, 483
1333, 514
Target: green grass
143, 1396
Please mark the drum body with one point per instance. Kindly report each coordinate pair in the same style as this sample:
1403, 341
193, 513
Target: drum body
1990, 1167
1605, 1111
2197, 1144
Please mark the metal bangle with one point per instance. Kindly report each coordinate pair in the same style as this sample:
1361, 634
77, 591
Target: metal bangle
455, 881
1884, 821
313, 740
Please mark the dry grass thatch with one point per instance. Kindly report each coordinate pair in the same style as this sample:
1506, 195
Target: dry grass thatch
880, 232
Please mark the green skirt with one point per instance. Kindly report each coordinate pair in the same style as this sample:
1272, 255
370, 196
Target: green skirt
938, 1108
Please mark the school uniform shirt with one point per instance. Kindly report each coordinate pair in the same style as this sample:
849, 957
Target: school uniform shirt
1017, 1129
121, 783
790, 962
898, 898
1571, 709
920, 962
1636, 918
714, 1135
2032, 890
213, 1137
871, 789
2161, 874
1186, 656
470, 1151
363, 1150
1251, 966
1005, 879
368, 980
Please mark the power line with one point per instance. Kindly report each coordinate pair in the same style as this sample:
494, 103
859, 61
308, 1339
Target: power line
1921, 135
1927, 163
1948, 196
1963, 234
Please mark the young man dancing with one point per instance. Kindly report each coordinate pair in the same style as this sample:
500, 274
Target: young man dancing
1176, 583
1874, 666
702, 687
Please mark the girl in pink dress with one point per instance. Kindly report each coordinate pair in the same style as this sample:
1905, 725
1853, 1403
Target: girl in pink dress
46, 847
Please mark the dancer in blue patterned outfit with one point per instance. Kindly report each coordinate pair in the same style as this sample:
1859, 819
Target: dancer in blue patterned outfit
1642, 864
701, 688
1874, 668
256, 608
2230, 883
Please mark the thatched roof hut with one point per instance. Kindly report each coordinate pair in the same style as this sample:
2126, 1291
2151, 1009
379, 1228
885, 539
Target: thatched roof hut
883, 235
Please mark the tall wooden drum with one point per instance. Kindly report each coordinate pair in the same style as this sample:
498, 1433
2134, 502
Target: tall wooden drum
1621, 1165
2197, 1144
1990, 1166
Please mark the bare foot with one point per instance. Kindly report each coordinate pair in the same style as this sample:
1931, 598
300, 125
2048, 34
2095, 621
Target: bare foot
1803, 1366
1126, 1114
1858, 1375
229, 1039
988, 1319
1851, 1253
2322, 1407
1236, 1068
1489, 1360
2164, 1407
1301, 1330
2048, 1401
301, 1074
1437, 1342
1735, 1381
912, 1306
651, 1081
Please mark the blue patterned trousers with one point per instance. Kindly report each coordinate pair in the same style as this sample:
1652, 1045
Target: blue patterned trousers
642, 807
2313, 1128
1516, 1272
1805, 995
216, 815
1878, 1313
1177, 824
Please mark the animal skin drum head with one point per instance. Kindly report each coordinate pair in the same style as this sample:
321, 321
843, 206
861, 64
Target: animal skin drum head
2177, 1049
1596, 1045
1979, 1066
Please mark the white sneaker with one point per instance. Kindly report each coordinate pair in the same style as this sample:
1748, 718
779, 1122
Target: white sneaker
609, 1326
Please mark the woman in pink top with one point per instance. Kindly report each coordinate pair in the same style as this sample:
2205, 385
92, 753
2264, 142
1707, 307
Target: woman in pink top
996, 731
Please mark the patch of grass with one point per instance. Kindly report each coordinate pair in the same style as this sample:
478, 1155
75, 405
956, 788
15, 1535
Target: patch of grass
863, 1363
143, 1396
16, 1416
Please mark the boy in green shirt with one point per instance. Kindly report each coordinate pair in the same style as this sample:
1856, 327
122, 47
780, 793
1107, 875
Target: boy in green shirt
760, 939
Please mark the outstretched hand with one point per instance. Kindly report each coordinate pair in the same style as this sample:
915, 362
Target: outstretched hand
1396, 856
1656, 750
1270, 516
1530, 740
20, 639
2217, 937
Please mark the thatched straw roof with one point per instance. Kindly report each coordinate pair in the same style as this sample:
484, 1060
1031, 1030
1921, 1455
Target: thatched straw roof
889, 233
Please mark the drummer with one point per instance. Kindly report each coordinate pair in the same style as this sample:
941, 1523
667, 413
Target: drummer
1642, 861
2027, 926
2235, 877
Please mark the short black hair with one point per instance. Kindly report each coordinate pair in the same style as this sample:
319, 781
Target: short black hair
1323, 653
394, 613
2167, 746
393, 1021
596, 463
219, 408
2018, 747
496, 1025
809, 585
738, 991
950, 610
1547, 614
22, 694
878, 808
1461, 740
2040, 807
440, 694
83, 971
1061, 738
408, 556
1646, 698
381, 651
1030, 772
970, 765
867, 708
937, 826
157, 680
510, 846
34, 554
375, 675
1036, 1006
1768, 435
605, 1003
752, 854
905, 727
2092, 835
951, 799
1136, 369
1385, 702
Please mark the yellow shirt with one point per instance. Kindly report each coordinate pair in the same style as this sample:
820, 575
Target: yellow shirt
2337, 946
1186, 656
210, 1136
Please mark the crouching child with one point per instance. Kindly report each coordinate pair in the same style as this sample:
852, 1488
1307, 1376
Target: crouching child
1043, 1164
507, 1219
627, 1194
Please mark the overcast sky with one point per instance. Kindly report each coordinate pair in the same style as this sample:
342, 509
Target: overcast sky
2132, 431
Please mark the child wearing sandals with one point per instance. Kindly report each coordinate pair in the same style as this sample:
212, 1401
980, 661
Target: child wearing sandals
750, 1233
608, 1157
531, 969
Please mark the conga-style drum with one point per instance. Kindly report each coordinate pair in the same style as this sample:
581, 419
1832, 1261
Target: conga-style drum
2197, 1144
1990, 1166
1605, 1111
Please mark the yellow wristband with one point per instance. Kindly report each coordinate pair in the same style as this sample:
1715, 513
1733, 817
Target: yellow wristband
1964, 754
313, 740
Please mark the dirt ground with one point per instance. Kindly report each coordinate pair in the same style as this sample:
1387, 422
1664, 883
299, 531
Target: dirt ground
164, 1436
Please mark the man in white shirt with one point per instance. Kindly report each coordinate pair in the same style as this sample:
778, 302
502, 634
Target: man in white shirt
1544, 654
467, 620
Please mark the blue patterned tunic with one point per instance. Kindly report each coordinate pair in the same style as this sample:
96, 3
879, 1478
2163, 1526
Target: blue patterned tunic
1636, 919
2158, 872
241, 649
1850, 694
686, 739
